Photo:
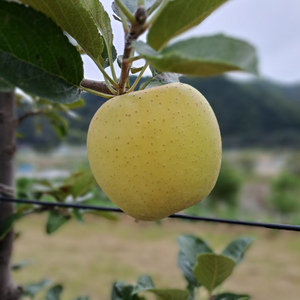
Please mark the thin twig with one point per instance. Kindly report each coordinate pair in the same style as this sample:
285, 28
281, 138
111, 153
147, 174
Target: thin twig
99, 86
30, 114
137, 29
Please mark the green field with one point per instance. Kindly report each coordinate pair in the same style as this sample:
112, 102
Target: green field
87, 258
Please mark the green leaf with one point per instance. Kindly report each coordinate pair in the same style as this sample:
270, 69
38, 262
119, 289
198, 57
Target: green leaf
144, 282
45, 63
31, 290
177, 17
73, 18
237, 248
54, 293
21, 208
201, 56
191, 246
170, 294
154, 6
154, 72
82, 298
76, 214
105, 56
229, 296
121, 291
212, 269
7, 225
20, 265
101, 19
78, 104
59, 123
55, 221
132, 5
136, 70
120, 60
117, 18
187, 270
104, 214
163, 78
191, 289
48, 198
79, 183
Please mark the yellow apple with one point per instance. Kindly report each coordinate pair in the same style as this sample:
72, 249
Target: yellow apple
157, 151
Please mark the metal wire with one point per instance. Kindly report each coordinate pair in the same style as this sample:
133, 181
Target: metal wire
178, 216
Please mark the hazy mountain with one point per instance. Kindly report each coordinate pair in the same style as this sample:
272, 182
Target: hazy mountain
258, 113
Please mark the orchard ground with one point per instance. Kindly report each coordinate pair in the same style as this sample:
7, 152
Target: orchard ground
88, 258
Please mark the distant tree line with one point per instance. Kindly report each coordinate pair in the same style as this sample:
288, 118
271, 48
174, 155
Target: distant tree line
255, 113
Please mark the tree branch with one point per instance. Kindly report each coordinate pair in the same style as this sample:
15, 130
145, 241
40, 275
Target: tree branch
137, 29
99, 86
29, 114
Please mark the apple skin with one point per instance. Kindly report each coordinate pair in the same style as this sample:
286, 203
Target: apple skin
155, 152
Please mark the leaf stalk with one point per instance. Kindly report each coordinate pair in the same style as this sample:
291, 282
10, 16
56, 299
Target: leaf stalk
138, 78
111, 63
132, 59
111, 89
106, 75
146, 83
97, 93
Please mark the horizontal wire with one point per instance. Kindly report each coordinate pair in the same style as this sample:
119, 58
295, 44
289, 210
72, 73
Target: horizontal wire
178, 216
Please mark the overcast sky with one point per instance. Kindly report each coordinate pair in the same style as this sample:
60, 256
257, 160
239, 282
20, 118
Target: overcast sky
272, 26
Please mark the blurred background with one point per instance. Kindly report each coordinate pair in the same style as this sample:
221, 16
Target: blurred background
259, 120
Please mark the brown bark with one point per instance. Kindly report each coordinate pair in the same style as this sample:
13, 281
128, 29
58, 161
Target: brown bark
136, 30
99, 86
8, 291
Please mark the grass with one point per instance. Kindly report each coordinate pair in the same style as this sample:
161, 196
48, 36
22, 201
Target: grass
87, 258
